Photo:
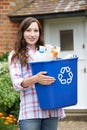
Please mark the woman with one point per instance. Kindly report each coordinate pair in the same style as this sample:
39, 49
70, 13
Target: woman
31, 116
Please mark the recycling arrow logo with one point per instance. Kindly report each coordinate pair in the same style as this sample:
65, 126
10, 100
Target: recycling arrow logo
68, 79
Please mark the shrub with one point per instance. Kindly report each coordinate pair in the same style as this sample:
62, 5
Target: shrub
7, 122
4, 57
9, 98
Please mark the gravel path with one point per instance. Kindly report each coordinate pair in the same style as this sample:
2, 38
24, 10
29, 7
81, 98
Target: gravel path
72, 125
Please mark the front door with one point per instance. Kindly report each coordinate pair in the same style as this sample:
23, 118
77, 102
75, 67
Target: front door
69, 34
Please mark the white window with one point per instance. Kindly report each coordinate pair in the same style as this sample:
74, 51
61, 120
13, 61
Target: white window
66, 40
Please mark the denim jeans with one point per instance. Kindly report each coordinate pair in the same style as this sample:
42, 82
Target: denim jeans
39, 124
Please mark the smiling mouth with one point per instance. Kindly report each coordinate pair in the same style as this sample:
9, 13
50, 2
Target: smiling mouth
31, 39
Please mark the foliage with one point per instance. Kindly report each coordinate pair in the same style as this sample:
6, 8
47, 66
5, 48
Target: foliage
9, 98
4, 57
7, 122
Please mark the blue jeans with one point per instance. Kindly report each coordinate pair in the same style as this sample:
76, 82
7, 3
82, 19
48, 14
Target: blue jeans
39, 124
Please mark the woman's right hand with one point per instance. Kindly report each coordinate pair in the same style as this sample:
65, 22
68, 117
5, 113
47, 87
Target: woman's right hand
40, 78
43, 79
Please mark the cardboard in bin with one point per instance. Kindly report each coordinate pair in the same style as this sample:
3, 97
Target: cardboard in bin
63, 92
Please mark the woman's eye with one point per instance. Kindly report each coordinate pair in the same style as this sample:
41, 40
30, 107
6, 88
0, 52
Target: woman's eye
28, 30
36, 30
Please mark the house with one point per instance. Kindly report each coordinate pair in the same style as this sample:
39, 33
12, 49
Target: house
65, 25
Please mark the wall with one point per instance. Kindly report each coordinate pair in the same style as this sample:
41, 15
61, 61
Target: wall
8, 29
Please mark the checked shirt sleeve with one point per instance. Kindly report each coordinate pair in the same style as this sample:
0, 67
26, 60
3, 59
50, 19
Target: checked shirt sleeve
15, 74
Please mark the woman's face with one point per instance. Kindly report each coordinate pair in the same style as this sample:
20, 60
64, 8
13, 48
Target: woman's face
31, 34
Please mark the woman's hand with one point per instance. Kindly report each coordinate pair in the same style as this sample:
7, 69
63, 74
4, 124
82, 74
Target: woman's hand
40, 78
43, 79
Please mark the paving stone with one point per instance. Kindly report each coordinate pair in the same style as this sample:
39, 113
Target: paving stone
72, 125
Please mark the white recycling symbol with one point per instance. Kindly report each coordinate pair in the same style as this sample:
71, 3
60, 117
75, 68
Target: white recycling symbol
68, 79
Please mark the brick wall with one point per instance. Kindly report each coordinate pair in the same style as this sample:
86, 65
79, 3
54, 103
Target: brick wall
8, 28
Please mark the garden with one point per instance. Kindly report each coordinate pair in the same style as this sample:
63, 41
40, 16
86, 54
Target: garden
9, 98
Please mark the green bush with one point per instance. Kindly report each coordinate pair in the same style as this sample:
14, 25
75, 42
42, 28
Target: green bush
8, 122
9, 98
4, 57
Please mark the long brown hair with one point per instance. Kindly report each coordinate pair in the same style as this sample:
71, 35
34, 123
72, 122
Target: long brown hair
20, 48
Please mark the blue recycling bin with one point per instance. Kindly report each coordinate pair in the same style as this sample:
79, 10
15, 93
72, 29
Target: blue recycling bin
63, 92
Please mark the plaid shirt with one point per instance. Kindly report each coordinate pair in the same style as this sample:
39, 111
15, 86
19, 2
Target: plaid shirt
29, 106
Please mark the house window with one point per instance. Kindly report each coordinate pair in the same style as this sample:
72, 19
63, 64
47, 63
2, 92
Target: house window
66, 40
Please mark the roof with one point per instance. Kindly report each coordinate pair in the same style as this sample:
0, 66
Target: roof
50, 7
